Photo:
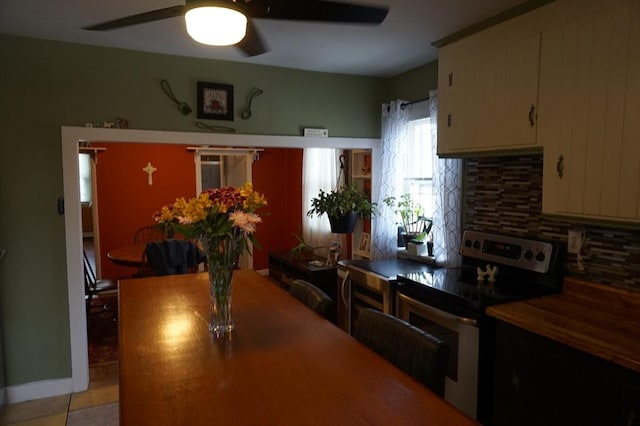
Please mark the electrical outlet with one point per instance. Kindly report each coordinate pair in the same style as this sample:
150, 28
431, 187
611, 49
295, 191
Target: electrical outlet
574, 242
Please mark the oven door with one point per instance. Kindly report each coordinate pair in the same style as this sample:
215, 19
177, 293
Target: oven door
461, 334
365, 289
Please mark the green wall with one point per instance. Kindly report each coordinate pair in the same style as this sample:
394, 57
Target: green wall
45, 85
414, 84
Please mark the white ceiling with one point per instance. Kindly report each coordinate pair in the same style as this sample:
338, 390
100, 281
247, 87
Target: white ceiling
400, 43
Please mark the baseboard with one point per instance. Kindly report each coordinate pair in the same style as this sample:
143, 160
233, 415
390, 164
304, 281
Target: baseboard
37, 390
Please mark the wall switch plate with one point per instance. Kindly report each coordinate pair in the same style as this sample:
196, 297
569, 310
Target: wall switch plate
574, 242
323, 133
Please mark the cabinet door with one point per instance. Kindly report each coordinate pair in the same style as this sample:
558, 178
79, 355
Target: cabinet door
591, 149
618, 397
541, 382
512, 381
488, 92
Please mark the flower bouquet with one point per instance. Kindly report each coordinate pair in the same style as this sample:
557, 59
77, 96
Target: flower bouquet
223, 220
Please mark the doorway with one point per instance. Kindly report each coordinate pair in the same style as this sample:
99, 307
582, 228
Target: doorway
70, 136
219, 167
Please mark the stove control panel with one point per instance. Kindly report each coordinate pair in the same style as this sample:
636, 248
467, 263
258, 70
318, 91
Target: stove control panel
531, 255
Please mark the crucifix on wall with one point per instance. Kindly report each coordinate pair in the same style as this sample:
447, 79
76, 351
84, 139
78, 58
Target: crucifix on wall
149, 169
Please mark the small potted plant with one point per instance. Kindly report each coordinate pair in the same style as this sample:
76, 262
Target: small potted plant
420, 244
412, 219
343, 206
302, 251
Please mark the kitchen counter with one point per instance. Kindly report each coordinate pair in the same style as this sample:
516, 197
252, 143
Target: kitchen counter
388, 268
598, 319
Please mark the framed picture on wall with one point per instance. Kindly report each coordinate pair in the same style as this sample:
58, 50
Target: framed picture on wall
215, 101
334, 252
364, 242
336, 247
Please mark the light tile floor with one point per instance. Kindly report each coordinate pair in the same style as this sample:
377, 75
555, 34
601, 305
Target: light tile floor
98, 406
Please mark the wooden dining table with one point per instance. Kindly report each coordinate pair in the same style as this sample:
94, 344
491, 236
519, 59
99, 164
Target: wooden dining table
127, 255
282, 364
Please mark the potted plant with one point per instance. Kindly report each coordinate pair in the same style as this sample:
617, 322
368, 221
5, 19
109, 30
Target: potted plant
412, 219
302, 251
343, 206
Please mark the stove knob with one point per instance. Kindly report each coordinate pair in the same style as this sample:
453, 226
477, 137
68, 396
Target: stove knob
467, 243
540, 257
528, 255
476, 245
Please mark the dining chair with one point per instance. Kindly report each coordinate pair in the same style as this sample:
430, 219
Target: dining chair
148, 233
417, 353
94, 287
313, 297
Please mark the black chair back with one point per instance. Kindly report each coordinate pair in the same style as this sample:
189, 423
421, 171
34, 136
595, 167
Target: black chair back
314, 298
417, 353
148, 233
93, 287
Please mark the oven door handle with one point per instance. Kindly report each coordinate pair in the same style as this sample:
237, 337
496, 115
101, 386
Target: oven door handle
343, 287
467, 321
472, 322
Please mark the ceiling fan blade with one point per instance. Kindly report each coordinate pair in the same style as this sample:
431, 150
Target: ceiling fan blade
316, 10
140, 18
252, 43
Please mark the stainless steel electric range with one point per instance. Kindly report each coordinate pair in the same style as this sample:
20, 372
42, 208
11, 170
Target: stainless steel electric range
450, 303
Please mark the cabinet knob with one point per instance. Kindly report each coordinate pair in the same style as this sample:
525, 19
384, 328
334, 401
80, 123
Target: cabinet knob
560, 166
532, 115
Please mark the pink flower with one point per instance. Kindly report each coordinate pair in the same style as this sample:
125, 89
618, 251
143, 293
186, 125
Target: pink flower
245, 221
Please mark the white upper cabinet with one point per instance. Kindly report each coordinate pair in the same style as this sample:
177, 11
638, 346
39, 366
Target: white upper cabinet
488, 89
590, 126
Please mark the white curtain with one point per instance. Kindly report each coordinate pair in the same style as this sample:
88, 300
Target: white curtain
320, 170
389, 180
447, 187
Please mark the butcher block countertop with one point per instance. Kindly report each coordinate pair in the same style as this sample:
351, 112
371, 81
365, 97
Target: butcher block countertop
598, 319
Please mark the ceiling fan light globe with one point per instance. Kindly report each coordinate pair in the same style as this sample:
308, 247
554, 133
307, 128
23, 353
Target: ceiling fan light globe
216, 26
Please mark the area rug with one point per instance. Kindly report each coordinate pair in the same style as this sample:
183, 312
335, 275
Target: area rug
102, 330
102, 415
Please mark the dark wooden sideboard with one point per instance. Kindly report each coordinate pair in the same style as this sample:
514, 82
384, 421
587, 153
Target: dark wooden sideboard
284, 268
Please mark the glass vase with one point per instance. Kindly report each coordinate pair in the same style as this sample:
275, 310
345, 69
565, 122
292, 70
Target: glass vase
220, 253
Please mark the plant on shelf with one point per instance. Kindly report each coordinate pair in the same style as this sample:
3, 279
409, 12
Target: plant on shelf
343, 206
302, 250
415, 225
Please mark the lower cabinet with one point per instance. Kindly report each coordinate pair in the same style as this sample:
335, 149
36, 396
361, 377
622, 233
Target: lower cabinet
283, 269
538, 381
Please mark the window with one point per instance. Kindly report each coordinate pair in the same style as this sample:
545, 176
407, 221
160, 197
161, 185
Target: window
84, 163
418, 164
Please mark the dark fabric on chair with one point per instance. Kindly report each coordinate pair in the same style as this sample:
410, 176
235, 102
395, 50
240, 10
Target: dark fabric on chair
313, 297
171, 257
417, 353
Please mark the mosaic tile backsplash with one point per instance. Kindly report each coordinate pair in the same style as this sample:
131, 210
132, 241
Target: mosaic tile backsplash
504, 194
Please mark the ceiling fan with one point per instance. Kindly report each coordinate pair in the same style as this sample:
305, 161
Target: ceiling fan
231, 20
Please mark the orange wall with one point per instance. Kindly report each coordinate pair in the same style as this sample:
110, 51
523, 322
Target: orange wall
126, 201
278, 174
